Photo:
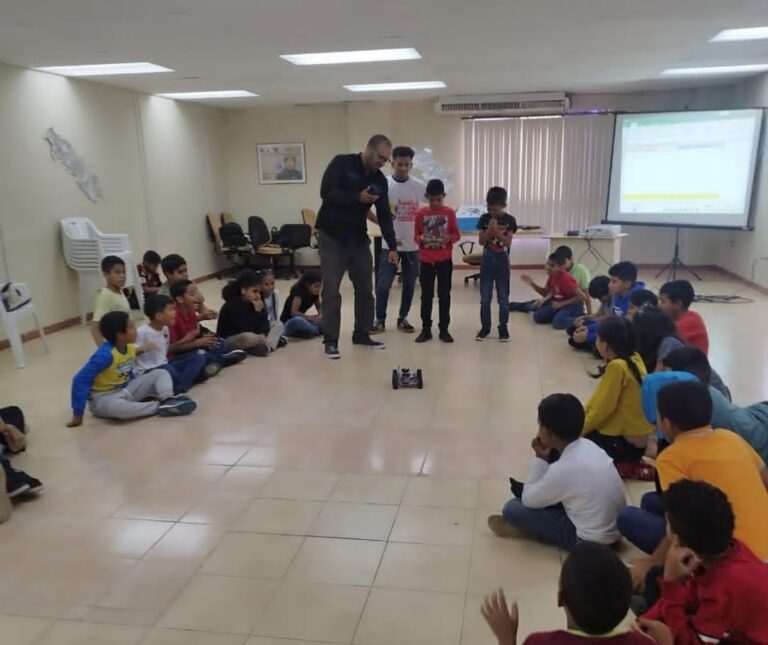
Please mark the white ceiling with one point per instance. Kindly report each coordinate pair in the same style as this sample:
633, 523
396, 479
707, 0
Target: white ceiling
480, 46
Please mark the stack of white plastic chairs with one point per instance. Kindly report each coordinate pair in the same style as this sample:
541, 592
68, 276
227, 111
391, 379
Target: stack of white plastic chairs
84, 248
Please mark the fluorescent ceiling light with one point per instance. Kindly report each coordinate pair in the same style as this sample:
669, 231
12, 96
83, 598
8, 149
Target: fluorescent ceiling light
747, 33
215, 94
394, 87
111, 69
362, 56
716, 71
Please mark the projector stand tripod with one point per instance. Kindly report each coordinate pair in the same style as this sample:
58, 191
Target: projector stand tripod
676, 263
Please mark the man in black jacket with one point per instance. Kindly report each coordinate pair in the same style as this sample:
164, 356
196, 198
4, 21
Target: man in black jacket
351, 185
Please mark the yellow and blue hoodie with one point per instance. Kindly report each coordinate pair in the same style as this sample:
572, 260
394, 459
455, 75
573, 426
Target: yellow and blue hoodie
108, 369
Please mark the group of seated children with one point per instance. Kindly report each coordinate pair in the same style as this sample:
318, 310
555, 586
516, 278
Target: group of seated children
706, 578
141, 372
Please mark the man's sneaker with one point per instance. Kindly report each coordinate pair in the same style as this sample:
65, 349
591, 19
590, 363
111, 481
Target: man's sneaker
367, 341
259, 350
404, 325
483, 334
445, 336
332, 351
15, 480
424, 336
378, 327
210, 370
232, 357
282, 342
176, 406
503, 335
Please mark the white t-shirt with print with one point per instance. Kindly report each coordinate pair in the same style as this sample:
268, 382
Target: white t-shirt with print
405, 198
156, 357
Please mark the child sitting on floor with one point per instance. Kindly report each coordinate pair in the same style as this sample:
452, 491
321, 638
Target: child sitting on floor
641, 299
175, 269
153, 342
304, 295
614, 414
149, 277
108, 384
595, 592
573, 492
561, 299
188, 335
598, 290
676, 298
110, 297
243, 320
713, 588
699, 452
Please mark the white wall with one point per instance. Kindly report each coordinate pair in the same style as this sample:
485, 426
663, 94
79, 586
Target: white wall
159, 195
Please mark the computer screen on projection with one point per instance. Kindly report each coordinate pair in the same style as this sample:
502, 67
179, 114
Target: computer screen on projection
684, 168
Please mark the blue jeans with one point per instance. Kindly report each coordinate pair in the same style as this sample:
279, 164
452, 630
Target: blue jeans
645, 527
409, 270
299, 327
560, 318
550, 525
211, 355
494, 270
185, 369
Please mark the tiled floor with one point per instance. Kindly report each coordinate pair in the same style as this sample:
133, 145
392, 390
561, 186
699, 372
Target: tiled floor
305, 501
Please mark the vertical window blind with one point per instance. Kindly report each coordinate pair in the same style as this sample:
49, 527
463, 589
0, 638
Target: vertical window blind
556, 169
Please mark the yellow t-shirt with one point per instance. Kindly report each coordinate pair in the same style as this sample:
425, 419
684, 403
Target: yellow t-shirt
108, 300
722, 458
615, 407
119, 371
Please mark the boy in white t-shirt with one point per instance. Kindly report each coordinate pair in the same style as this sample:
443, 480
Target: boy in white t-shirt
154, 340
406, 194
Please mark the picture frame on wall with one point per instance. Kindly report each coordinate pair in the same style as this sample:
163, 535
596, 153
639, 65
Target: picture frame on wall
282, 163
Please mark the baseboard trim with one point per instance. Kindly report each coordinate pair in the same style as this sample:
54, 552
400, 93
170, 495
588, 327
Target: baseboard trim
752, 285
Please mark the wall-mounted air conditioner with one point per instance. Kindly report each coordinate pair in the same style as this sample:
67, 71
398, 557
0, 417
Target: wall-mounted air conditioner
533, 104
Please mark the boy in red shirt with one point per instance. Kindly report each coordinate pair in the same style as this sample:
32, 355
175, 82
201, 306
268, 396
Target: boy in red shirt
674, 299
186, 335
561, 302
436, 231
714, 589
595, 592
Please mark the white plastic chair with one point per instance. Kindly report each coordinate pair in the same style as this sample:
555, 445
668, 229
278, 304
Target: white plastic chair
84, 248
11, 314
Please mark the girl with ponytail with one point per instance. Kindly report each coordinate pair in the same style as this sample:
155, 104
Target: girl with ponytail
614, 413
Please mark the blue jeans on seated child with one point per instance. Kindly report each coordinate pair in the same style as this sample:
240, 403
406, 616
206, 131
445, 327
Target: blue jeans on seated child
560, 318
299, 327
184, 369
645, 527
494, 270
551, 525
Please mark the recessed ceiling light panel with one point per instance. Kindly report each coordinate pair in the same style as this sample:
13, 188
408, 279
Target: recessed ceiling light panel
747, 33
214, 94
110, 69
361, 56
396, 87
720, 70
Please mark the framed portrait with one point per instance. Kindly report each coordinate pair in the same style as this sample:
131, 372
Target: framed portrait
282, 163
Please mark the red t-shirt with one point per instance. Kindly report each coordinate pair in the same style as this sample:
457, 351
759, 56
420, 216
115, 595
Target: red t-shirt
728, 602
563, 637
186, 321
430, 227
562, 286
693, 331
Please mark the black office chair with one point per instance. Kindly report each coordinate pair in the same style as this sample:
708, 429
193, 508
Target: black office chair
293, 237
261, 241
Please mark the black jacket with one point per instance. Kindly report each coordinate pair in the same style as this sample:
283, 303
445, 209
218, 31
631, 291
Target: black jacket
341, 215
238, 316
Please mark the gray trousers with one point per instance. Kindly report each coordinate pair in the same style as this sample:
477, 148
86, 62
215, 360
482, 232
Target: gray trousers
247, 339
126, 403
336, 259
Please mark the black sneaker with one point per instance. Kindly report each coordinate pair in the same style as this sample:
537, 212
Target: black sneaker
332, 351
232, 357
15, 481
378, 327
503, 335
35, 485
404, 325
521, 307
367, 341
259, 350
282, 342
424, 336
176, 406
445, 336
483, 334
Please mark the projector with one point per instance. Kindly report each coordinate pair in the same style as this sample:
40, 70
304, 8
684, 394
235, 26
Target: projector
602, 230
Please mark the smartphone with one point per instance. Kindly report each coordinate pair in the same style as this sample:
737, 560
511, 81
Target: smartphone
374, 190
